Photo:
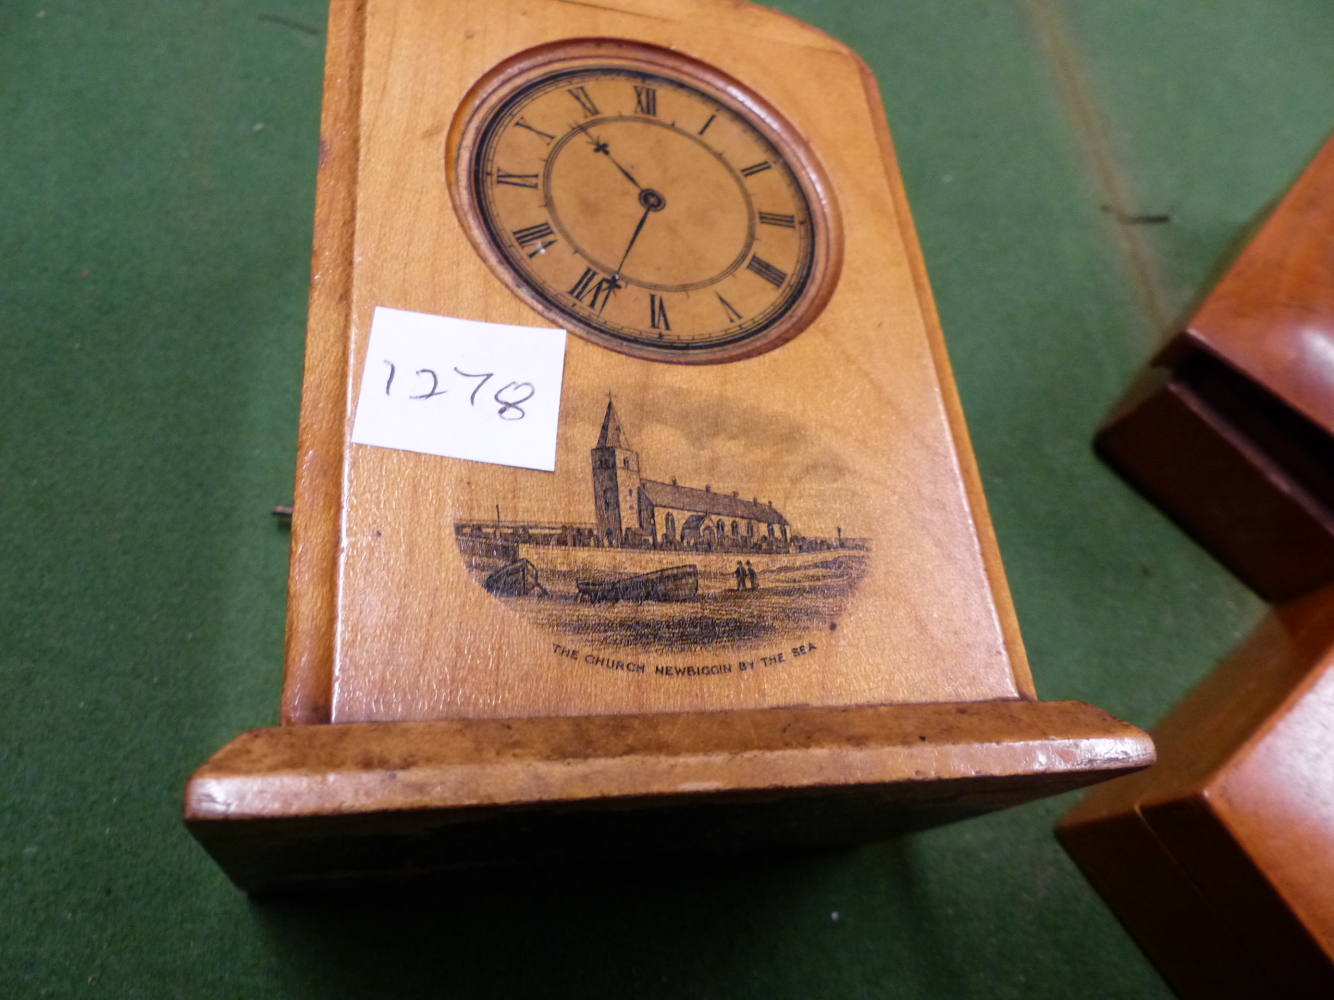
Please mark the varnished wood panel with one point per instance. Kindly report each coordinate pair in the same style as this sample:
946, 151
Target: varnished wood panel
312, 592
1231, 431
1219, 858
1272, 315
305, 804
854, 425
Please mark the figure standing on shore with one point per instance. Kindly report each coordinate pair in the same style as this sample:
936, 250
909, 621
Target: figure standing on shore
754, 577
740, 574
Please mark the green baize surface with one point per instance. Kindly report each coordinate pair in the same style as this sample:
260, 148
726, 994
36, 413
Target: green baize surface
157, 166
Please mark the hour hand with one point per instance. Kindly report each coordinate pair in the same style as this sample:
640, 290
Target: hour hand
601, 147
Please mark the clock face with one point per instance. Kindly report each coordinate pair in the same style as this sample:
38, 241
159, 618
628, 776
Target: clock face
644, 201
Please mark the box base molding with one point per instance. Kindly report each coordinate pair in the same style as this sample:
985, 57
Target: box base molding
306, 805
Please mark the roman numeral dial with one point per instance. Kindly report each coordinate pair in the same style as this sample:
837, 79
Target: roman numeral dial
536, 239
637, 202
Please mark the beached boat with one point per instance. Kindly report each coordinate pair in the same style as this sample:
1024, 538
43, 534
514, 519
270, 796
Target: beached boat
518, 579
676, 583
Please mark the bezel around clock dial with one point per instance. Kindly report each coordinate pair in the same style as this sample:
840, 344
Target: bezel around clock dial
732, 240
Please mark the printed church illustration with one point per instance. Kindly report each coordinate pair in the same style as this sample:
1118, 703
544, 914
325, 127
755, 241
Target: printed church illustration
634, 512
671, 545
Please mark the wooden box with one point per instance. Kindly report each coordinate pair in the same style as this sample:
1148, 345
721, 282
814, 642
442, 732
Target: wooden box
1230, 429
1220, 859
759, 599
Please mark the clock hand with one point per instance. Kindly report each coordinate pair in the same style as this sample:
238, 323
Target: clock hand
642, 219
652, 202
601, 147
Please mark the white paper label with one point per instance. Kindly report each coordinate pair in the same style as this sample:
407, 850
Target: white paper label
485, 392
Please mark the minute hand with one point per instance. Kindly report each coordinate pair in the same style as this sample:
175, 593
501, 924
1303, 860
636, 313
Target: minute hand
642, 219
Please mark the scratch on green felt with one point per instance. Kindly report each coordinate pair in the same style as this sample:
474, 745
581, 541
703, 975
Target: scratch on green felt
1091, 129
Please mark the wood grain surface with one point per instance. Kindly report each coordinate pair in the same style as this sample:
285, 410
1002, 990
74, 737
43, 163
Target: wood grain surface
1218, 859
308, 803
851, 430
1271, 317
1229, 430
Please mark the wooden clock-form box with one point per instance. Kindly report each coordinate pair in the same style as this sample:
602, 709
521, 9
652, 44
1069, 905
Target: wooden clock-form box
1231, 430
759, 598
1220, 859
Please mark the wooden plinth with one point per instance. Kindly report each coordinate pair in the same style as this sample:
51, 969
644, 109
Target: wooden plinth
1231, 431
301, 805
1220, 859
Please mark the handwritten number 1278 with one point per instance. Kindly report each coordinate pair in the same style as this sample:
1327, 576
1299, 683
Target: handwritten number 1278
510, 408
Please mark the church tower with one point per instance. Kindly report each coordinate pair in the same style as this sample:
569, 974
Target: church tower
615, 481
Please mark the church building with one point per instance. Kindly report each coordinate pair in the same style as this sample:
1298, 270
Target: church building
641, 513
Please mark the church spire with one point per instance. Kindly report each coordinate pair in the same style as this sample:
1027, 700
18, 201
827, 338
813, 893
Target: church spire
612, 436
